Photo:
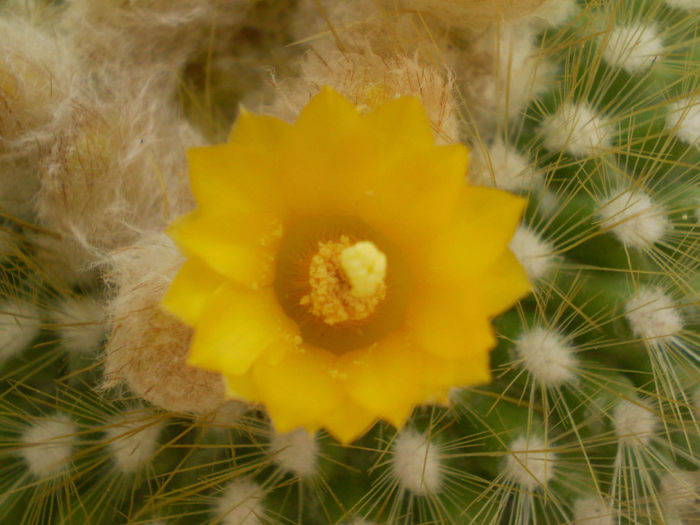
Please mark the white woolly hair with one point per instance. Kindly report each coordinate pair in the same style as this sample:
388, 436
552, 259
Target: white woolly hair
115, 39
503, 166
37, 71
20, 322
683, 119
552, 13
688, 5
147, 347
577, 128
368, 80
633, 217
530, 464
593, 511
634, 422
114, 171
632, 47
295, 452
132, 441
498, 73
48, 445
652, 315
80, 323
534, 253
470, 13
547, 355
241, 503
679, 495
36, 82
416, 463
357, 25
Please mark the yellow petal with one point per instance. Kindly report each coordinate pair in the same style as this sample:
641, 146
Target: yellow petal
298, 390
383, 378
190, 290
483, 225
236, 327
241, 387
439, 374
326, 111
401, 123
504, 284
450, 323
241, 246
410, 207
260, 132
235, 178
348, 422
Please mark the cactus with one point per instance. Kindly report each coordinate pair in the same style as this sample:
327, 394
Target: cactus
590, 110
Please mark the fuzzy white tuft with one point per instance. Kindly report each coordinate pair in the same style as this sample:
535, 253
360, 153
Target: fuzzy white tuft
547, 356
652, 316
534, 253
241, 503
632, 47
688, 5
19, 325
679, 495
548, 201
80, 323
368, 80
634, 422
553, 13
147, 348
593, 511
503, 73
48, 445
634, 218
578, 129
529, 463
683, 119
132, 442
296, 452
505, 168
416, 463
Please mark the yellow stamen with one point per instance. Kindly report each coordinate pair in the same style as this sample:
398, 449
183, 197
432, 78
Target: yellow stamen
347, 281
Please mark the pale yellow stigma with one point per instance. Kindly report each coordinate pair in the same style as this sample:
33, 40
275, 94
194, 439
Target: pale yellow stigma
365, 268
347, 281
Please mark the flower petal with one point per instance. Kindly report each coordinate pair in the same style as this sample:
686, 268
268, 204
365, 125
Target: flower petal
383, 378
236, 327
439, 374
503, 284
484, 223
234, 178
401, 123
299, 389
258, 132
189, 292
406, 205
328, 110
241, 387
450, 323
241, 246
348, 422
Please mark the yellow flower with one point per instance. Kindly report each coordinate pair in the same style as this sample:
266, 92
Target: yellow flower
340, 270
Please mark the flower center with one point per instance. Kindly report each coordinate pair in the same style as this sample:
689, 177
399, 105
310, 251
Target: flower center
347, 281
342, 282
